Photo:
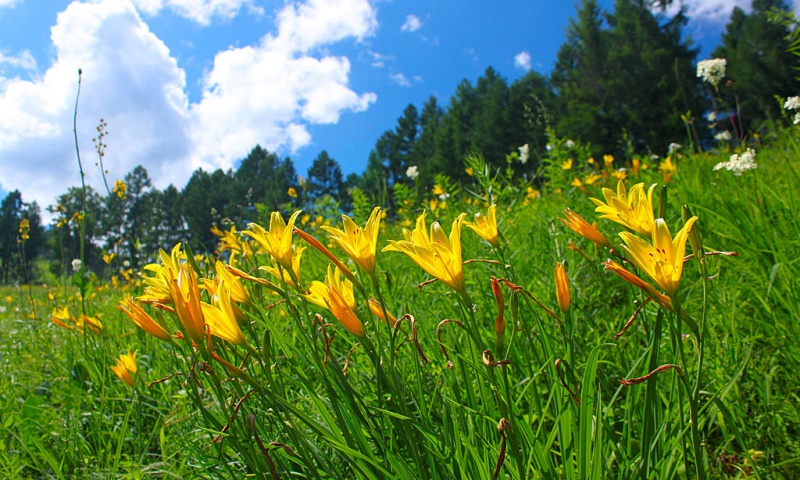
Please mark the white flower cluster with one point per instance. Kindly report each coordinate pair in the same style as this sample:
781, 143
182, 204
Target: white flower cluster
412, 172
793, 103
739, 163
524, 153
712, 70
724, 136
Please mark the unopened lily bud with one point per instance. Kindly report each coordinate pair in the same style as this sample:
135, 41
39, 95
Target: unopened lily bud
562, 286
500, 320
694, 235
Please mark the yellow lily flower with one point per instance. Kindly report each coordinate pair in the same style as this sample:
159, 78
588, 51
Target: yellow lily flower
277, 241
486, 227
434, 252
579, 225
237, 290
562, 286
59, 317
336, 295
359, 244
634, 280
143, 320
229, 241
632, 209
222, 319
186, 298
283, 274
377, 310
663, 260
157, 288
126, 365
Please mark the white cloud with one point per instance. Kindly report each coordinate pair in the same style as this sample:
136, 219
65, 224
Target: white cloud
400, 79
8, 3
523, 60
412, 24
263, 94
24, 61
716, 11
200, 11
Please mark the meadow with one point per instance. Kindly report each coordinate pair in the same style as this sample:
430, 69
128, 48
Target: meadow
516, 341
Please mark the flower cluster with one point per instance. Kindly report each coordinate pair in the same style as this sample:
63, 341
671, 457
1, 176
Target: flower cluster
739, 163
712, 70
793, 103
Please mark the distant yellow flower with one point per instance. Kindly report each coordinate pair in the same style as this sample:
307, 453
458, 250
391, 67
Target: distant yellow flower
608, 160
126, 365
486, 226
143, 320
59, 317
591, 178
633, 209
619, 174
531, 193
438, 190
576, 182
222, 318
285, 275
120, 188
667, 168
109, 257
470, 171
92, 322
562, 286
24, 228
157, 287
229, 241
292, 192
359, 244
636, 165
579, 225
434, 252
567, 165
9, 298
663, 260
336, 295
277, 241
186, 299
590, 161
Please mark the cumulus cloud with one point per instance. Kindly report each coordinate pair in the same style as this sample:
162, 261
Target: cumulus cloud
8, 3
523, 60
261, 94
412, 24
400, 79
24, 61
200, 11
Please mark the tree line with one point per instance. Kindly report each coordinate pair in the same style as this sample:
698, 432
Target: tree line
624, 82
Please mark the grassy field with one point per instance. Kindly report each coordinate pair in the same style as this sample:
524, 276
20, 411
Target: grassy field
460, 386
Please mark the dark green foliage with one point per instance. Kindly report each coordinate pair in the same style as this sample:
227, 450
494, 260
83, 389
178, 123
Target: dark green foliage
16, 256
324, 177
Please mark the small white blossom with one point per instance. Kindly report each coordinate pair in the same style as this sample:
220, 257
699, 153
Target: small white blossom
412, 172
126, 264
797, 118
569, 144
76, 265
712, 116
792, 103
712, 71
739, 163
443, 197
524, 153
674, 147
724, 136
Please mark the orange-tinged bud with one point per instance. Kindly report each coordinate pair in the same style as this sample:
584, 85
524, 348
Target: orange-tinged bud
562, 286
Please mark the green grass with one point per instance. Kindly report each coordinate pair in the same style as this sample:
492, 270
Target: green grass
390, 414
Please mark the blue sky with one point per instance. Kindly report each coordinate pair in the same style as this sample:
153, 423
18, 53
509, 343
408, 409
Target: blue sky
184, 84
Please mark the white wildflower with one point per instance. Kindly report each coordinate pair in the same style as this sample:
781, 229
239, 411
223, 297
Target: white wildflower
792, 103
443, 197
76, 265
739, 163
126, 264
797, 118
674, 147
412, 172
724, 136
524, 153
712, 70
712, 116
569, 144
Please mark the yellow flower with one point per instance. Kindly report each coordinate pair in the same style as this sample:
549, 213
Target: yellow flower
282, 273
434, 252
470, 171
186, 298
667, 168
144, 321
277, 241
576, 182
608, 160
109, 257
92, 322
336, 295
157, 287
633, 209
24, 228
663, 260
377, 310
126, 365
619, 174
120, 188
579, 225
590, 161
486, 227
531, 193
292, 192
634, 280
222, 319
591, 178
233, 283
359, 244
636, 165
567, 165
59, 317
562, 286
438, 190
229, 241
